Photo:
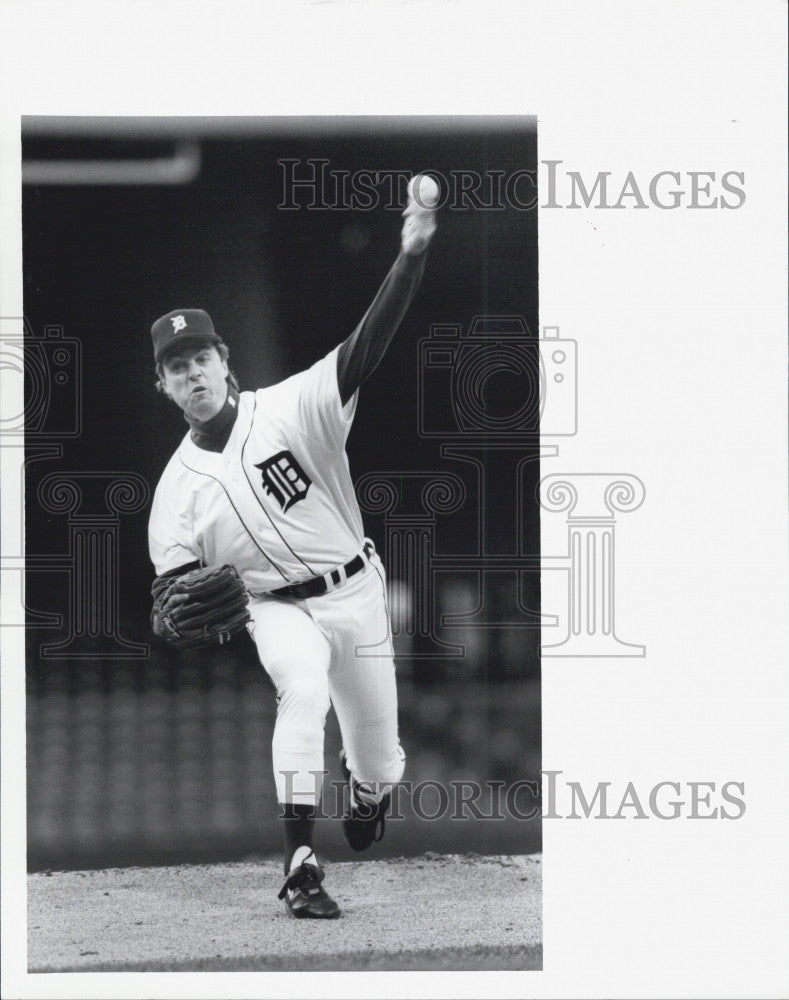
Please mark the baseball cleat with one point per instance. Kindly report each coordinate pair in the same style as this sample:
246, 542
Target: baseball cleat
364, 822
303, 893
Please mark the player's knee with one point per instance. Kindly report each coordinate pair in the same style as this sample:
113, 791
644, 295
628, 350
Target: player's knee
394, 766
306, 696
381, 766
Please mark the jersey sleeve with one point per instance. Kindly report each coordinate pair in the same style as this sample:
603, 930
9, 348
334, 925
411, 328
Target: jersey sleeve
322, 414
169, 540
361, 353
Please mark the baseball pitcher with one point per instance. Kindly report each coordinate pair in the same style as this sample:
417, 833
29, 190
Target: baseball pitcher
255, 525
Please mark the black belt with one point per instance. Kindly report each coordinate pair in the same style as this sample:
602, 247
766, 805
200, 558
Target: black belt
320, 585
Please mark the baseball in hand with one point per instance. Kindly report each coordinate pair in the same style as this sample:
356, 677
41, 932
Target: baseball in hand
420, 214
424, 190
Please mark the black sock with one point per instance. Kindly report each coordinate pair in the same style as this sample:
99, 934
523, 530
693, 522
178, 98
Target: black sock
298, 822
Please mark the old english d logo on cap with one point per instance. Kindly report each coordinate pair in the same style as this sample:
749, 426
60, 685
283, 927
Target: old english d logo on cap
180, 325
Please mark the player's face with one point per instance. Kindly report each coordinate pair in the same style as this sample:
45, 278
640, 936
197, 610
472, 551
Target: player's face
195, 379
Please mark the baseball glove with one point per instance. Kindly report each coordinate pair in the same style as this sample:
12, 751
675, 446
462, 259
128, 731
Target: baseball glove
205, 607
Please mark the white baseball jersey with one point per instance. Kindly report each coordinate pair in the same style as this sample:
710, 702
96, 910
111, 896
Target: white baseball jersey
278, 502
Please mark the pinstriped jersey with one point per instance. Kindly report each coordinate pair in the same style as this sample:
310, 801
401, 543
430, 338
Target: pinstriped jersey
278, 502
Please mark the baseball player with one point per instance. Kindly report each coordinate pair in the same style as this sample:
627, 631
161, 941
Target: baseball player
257, 505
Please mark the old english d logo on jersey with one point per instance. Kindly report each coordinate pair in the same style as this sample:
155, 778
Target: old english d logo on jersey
284, 479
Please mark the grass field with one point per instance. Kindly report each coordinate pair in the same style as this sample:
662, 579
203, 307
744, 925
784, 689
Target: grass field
435, 912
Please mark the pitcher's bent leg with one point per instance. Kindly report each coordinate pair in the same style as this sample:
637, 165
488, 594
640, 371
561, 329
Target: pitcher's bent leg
296, 656
363, 688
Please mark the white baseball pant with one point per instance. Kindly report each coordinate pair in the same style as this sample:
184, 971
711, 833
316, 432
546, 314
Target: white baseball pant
335, 649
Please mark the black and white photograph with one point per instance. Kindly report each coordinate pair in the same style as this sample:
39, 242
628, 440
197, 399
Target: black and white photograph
283, 641
393, 452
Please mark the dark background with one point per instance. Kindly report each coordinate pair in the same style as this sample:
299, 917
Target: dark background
165, 757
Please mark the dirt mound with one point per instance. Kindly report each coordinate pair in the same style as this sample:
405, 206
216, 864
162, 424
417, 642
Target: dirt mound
430, 912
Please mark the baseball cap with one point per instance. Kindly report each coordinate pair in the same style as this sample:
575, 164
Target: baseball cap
181, 325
